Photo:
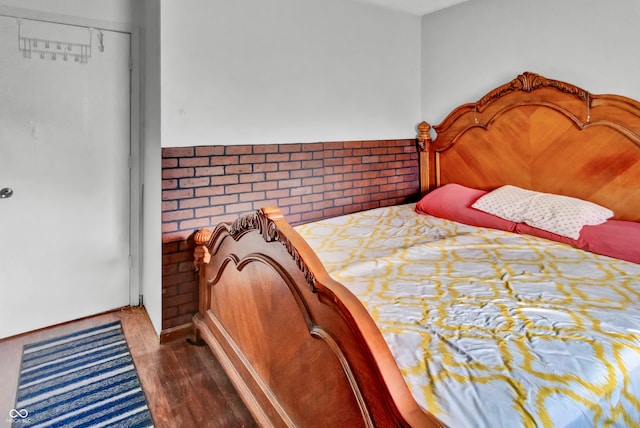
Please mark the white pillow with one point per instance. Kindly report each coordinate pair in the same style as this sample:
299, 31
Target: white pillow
562, 215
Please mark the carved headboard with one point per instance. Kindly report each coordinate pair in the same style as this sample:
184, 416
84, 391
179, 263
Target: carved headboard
543, 135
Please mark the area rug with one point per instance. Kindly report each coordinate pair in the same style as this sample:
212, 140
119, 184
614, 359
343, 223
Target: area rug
84, 379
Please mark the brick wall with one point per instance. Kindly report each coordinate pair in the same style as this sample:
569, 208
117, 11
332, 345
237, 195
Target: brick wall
205, 185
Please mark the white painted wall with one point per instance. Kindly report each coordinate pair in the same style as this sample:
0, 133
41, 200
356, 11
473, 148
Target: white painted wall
282, 71
473, 47
147, 13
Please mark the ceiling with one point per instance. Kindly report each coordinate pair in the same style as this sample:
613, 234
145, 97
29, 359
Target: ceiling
414, 7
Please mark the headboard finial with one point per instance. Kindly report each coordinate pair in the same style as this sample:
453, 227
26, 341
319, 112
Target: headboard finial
424, 138
201, 254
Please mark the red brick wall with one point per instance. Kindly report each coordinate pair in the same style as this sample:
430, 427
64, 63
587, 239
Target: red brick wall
205, 185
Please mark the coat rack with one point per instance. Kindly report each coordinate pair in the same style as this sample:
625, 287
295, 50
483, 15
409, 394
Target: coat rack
58, 49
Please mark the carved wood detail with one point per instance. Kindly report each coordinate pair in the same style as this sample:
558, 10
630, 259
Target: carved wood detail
319, 332
263, 222
528, 82
426, 155
201, 254
424, 138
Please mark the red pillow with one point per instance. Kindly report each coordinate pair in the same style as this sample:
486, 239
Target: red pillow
453, 202
613, 238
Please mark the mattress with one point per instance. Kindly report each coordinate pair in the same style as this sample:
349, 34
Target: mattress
491, 328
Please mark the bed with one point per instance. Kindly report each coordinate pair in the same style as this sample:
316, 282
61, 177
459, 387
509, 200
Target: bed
502, 324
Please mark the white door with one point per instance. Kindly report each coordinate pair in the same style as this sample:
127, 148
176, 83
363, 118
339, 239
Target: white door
64, 152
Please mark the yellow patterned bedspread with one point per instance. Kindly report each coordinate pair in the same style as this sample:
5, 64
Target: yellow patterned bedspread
491, 328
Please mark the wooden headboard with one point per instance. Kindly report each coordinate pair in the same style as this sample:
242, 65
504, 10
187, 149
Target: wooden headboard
543, 135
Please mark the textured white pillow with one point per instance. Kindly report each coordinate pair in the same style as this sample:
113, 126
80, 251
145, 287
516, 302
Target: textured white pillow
558, 214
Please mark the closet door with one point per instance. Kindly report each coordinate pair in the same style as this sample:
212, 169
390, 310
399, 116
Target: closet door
64, 153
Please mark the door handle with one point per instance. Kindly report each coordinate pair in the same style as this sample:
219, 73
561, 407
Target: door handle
6, 192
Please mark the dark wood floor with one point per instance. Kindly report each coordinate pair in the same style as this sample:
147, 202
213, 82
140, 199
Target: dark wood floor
184, 384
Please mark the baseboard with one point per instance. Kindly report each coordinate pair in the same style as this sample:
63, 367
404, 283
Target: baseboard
176, 333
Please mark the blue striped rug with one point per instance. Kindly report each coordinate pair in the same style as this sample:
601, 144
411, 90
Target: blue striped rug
84, 379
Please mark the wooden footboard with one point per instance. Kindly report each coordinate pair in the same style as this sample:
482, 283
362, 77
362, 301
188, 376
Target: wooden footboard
300, 348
